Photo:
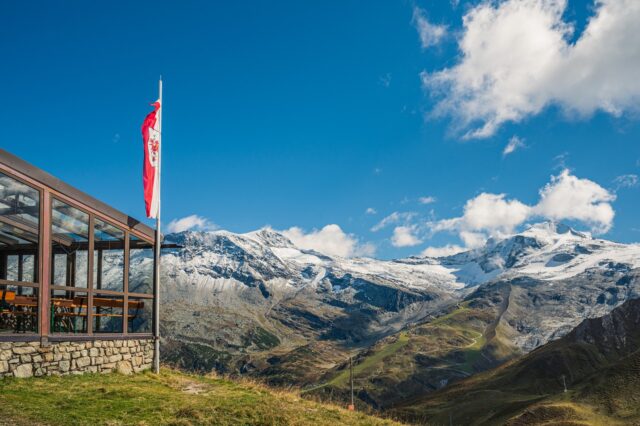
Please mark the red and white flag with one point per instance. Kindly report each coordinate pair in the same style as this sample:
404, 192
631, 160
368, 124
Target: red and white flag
151, 137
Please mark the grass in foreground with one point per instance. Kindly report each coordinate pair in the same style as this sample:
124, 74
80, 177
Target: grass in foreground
170, 398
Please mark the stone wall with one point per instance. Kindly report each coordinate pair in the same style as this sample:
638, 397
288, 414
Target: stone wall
27, 359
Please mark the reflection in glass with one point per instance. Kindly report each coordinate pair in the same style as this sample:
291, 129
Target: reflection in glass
70, 245
69, 311
18, 309
140, 266
140, 315
107, 313
108, 257
19, 229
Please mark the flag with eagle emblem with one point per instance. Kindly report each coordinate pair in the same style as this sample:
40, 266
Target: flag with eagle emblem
151, 136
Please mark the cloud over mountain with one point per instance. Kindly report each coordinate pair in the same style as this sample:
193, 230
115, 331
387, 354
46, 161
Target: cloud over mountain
331, 240
192, 222
565, 197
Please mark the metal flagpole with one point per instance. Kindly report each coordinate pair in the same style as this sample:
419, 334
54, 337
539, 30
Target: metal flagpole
352, 407
156, 284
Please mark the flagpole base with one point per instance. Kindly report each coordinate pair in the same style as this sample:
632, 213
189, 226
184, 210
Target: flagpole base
156, 355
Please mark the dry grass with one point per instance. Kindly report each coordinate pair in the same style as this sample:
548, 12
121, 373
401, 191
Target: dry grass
171, 398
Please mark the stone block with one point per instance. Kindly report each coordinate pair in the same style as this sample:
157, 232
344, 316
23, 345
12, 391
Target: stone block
94, 352
23, 371
83, 362
23, 350
124, 367
64, 366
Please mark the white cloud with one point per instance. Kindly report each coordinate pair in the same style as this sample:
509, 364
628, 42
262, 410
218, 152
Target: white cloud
473, 239
330, 240
403, 236
490, 213
430, 34
513, 144
443, 251
395, 217
371, 210
560, 161
626, 181
516, 60
385, 80
568, 197
427, 200
191, 222
565, 197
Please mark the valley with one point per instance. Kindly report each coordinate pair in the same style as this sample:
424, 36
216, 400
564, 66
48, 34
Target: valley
254, 305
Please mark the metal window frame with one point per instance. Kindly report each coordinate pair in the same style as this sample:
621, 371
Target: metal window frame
37, 284
49, 188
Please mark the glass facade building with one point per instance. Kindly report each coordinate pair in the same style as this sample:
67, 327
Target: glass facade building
71, 267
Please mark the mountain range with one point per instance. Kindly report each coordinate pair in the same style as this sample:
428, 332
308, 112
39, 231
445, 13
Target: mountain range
256, 304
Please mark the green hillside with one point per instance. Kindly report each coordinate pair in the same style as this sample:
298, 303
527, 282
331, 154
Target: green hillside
170, 398
599, 361
462, 342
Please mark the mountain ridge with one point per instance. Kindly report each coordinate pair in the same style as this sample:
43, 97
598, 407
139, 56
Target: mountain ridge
256, 304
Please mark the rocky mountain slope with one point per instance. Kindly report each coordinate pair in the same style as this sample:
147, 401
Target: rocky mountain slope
598, 363
257, 304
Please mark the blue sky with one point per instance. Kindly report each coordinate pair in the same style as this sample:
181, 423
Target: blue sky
300, 115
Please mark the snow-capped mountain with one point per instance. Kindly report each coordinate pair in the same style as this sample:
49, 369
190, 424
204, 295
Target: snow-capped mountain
231, 294
546, 251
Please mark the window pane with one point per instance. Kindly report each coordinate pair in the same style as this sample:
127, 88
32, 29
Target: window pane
21, 267
19, 229
70, 245
107, 313
140, 266
18, 309
108, 262
140, 315
69, 312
